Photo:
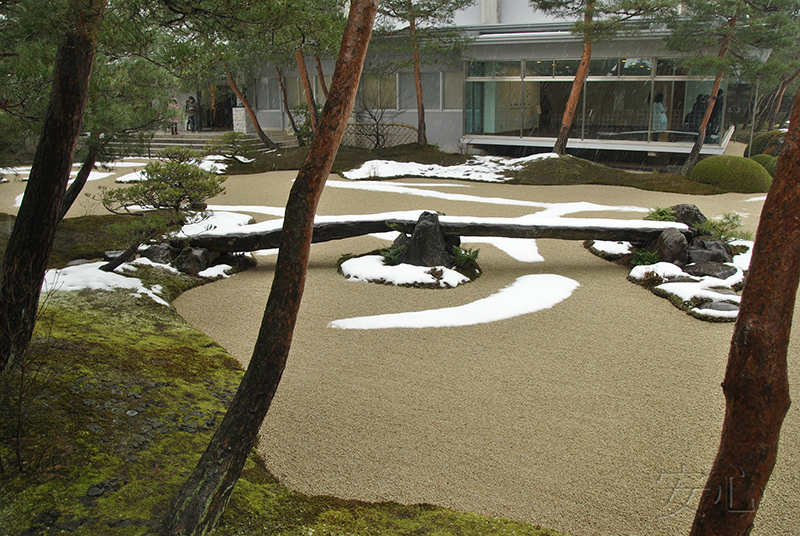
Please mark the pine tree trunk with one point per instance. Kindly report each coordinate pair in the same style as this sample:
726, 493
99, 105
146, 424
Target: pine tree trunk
560, 146
694, 154
250, 113
285, 100
31, 240
77, 185
198, 506
422, 131
312, 104
756, 383
322, 83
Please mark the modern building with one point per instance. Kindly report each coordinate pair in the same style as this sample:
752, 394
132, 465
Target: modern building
511, 88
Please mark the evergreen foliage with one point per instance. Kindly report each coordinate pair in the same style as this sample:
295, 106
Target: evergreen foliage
732, 174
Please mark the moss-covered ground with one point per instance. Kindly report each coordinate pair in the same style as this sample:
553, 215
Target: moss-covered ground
119, 397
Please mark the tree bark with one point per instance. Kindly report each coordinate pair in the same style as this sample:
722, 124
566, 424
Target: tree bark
312, 104
31, 240
560, 146
694, 154
199, 504
250, 112
756, 385
77, 185
285, 100
322, 83
786, 81
422, 131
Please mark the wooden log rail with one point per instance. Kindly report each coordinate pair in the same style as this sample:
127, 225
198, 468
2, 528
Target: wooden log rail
324, 232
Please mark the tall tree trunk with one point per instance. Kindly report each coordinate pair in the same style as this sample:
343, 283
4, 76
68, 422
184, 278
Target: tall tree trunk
77, 185
786, 81
31, 240
199, 504
560, 146
312, 104
250, 112
756, 382
322, 84
694, 154
286, 101
422, 131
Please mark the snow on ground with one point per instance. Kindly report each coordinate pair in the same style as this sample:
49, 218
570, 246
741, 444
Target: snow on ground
371, 268
528, 294
479, 168
709, 289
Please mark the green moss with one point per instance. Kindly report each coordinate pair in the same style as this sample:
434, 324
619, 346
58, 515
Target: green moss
732, 174
568, 170
132, 396
768, 162
767, 143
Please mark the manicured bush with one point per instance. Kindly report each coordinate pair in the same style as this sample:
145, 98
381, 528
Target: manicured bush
767, 143
732, 174
769, 162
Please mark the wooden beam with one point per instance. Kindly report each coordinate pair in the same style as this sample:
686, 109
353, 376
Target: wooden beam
324, 232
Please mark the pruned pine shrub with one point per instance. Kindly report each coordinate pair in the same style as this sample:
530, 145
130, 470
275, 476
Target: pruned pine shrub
732, 174
768, 162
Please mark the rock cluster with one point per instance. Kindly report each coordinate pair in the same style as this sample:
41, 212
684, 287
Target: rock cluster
186, 259
427, 246
702, 284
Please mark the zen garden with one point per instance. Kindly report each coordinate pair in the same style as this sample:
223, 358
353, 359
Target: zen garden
215, 332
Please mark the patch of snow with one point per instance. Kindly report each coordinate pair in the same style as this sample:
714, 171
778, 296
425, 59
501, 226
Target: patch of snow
528, 294
662, 269
372, 268
90, 276
479, 168
216, 271
612, 248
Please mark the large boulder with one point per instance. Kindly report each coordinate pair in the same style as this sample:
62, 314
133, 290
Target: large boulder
427, 245
688, 214
708, 250
160, 253
673, 247
194, 260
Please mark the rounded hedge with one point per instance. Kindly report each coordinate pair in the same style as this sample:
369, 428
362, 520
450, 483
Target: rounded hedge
769, 162
732, 174
767, 143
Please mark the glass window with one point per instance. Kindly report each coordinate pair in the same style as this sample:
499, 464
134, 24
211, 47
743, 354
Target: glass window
430, 91
618, 110
637, 66
565, 67
268, 94
546, 102
480, 68
453, 91
494, 108
292, 90
670, 67
378, 92
539, 68
604, 67
507, 68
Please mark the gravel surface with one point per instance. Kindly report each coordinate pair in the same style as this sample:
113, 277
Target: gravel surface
598, 416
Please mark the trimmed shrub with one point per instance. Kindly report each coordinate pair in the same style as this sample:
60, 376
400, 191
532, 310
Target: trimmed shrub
769, 162
767, 143
732, 174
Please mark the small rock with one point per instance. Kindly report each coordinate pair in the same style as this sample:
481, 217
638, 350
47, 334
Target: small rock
719, 306
96, 490
131, 413
688, 214
712, 269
